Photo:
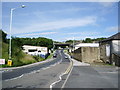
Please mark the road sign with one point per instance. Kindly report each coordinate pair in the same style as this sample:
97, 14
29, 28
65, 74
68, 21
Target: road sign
9, 63
2, 61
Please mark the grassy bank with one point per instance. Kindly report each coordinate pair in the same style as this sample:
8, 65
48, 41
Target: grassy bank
19, 58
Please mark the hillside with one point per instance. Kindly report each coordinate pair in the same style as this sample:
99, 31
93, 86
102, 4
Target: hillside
18, 59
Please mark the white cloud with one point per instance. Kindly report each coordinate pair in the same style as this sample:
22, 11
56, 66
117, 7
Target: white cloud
77, 38
112, 29
84, 33
60, 0
54, 25
59, 11
34, 34
83, 37
106, 4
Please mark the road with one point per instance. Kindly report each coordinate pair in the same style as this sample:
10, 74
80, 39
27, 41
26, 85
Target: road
38, 76
82, 76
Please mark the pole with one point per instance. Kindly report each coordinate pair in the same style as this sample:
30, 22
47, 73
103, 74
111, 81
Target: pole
10, 33
73, 43
23, 6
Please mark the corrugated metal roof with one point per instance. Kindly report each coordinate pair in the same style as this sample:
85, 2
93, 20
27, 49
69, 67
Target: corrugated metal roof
87, 45
113, 37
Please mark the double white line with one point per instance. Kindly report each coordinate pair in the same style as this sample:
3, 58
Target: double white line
69, 69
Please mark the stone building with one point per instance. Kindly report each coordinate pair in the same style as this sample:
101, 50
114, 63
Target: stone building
110, 49
86, 52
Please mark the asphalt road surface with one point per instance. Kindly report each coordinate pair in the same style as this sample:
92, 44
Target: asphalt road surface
91, 78
38, 76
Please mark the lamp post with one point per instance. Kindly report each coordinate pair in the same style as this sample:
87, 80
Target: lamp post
11, 13
73, 44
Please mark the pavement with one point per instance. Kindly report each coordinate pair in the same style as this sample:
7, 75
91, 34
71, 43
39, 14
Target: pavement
77, 63
29, 65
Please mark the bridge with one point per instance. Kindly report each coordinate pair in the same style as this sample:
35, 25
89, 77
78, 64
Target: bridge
61, 45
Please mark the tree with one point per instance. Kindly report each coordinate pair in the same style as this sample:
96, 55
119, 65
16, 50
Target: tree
3, 34
69, 41
87, 40
41, 41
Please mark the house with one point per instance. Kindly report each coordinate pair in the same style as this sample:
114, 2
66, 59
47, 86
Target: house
86, 52
110, 49
35, 50
86, 45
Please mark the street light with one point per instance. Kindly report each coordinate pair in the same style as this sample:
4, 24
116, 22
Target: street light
73, 44
11, 13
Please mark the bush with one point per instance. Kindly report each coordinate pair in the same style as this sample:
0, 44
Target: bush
38, 58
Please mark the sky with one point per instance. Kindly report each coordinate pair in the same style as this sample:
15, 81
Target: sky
61, 21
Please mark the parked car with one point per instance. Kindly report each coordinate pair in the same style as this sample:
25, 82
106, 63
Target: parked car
66, 57
55, 55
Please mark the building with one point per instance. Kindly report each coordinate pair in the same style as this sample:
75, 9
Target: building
86, 45
86, 52
35, 50
110, 49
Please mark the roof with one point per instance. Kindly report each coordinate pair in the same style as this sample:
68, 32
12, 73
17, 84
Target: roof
113, 37
87, 45
33, 46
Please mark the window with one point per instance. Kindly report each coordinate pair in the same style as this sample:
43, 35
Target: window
32, 50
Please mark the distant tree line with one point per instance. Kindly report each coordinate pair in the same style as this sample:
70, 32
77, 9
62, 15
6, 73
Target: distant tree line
16, 41
87, 40
40, 41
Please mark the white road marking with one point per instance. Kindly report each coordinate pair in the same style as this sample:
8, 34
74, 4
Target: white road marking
66, 79
15, 78
60, 78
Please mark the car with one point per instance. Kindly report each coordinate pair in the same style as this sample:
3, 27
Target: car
55, 55
66, 57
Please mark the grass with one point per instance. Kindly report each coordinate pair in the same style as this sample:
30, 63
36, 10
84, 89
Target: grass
65, 51
50, 56
42, 59
5, 51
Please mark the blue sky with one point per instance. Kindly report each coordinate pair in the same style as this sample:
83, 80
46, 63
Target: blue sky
61, 21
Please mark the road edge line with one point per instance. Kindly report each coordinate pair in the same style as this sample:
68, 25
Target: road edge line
67, 78
66, 72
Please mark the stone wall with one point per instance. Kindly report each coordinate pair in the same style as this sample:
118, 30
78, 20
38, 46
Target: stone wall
116, 59
87, 54
77, 54
103, 56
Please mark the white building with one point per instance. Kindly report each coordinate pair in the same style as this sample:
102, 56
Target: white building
35, 50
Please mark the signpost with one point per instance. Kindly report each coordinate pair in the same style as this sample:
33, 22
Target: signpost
2, 61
